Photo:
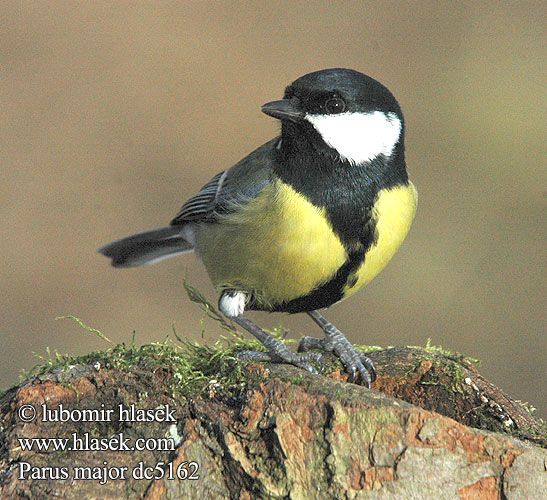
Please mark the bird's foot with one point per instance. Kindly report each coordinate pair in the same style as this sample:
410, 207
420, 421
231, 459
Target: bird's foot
277, 351
357, 364
285, 356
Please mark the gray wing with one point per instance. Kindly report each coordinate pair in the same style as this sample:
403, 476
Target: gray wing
202, 205
230, 189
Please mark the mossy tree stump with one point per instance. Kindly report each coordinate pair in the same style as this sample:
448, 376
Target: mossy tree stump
431, 428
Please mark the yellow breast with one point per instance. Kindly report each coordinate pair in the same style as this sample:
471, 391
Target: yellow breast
279, 246
393, 211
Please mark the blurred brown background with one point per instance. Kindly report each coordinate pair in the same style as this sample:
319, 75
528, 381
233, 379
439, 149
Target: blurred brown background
112, 114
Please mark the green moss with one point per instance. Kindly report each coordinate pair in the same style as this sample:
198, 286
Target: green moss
454, 356
536, 432
449, 362
455, 375
193, 367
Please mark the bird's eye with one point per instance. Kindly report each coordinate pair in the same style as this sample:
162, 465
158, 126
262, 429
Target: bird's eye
335, 105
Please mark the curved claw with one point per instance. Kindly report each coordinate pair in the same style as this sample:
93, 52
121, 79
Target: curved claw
353, 361
369, 366
357, 364
364, 374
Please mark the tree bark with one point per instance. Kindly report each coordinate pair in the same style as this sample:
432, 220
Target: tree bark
419, 434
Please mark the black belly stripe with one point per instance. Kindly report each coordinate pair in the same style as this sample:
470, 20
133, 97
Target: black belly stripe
322, 296
347, 193
333, 290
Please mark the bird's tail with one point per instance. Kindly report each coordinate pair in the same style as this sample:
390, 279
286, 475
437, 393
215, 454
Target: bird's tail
147, 248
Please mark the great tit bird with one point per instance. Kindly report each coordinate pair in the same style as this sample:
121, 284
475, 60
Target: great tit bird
303, 221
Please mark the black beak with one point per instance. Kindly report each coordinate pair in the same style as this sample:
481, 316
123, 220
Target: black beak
282, 109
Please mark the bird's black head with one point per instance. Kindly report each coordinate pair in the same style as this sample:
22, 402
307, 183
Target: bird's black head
343, 111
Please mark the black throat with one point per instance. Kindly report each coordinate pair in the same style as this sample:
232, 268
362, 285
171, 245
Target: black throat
346, 191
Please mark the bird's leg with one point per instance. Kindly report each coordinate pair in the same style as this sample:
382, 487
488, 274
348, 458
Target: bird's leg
277, 352
232, 304
357, 364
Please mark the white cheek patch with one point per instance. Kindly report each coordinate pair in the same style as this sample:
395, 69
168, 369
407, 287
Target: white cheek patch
359, 137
